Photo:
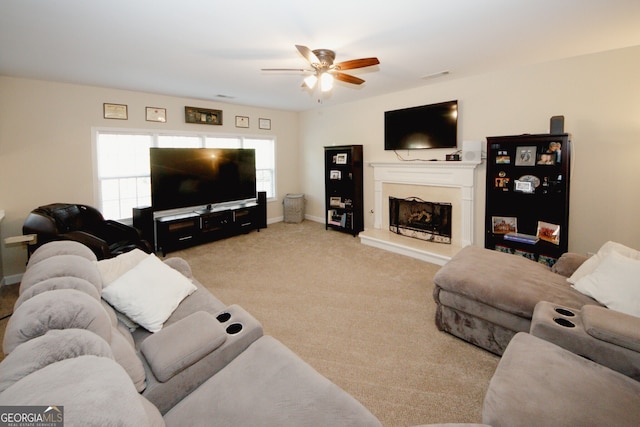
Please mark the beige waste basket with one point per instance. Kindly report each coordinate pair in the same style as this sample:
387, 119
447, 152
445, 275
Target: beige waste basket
294, 208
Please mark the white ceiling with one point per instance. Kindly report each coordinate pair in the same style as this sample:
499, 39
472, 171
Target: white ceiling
213, 49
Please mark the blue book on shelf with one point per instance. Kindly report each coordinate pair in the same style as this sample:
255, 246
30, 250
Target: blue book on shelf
522, 238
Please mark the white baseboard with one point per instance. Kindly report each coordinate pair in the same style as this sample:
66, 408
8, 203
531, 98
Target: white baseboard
11, 280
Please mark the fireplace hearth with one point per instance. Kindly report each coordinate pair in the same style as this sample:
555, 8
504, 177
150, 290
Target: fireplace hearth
414, 217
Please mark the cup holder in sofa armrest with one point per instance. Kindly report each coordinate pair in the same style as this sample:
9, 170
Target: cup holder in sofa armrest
564, 312
234, 328
223, 317
564, 322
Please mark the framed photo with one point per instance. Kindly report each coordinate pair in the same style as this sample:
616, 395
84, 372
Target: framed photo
548, 232
115, 111
503, 158
504, 224
555, 148
264, 124
524, 186
335, 174
204, 116
154, 114
502, 183
526, 156
335, 202
341, 159
546, 159
242, 122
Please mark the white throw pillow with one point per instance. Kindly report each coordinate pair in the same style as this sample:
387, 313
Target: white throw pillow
615, 283
592, 263
149, 292
112, 268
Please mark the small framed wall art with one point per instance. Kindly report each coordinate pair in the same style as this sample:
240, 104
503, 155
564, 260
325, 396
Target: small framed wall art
115, 111
242, 122
264, 124
204, 116
154, 114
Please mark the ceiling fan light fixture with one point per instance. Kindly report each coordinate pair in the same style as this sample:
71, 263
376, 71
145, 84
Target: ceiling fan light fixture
310, 81
326, 82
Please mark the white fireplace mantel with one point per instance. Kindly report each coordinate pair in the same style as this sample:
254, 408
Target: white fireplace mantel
460, 174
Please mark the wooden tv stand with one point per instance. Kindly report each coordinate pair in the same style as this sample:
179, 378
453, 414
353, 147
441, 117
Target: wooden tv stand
179, 231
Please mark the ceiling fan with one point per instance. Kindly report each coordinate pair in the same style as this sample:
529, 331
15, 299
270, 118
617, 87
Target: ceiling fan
325, 71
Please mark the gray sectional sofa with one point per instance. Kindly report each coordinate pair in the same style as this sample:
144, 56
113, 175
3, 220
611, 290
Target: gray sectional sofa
567, 360
209, 363
486, 297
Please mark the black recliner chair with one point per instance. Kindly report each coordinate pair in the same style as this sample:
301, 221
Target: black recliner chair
85, 224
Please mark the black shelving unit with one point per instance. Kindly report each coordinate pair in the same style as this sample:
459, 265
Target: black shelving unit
527, 192
343, 188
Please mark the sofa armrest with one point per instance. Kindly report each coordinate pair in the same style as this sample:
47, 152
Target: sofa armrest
568, 263
594, 332
180, 345
612, 326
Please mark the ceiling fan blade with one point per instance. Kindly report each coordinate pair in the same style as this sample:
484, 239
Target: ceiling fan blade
308, 54
301, 70
348, 78
356, 63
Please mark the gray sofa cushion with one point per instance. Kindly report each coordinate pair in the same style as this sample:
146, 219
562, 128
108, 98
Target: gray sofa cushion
540, 384
49, 348
66, 282
79, 385
611, 326
59, 309
62, 247
60, 266
198, 334
510, 283
126, 356
268, 385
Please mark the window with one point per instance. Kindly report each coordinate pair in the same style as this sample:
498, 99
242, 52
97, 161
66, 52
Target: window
123, 172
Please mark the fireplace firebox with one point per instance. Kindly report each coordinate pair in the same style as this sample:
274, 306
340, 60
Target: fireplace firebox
414, 217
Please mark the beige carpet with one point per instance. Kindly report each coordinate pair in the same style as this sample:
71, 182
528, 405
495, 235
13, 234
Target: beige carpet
361, 316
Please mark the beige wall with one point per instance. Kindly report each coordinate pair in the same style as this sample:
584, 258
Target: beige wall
599, 95
46, 151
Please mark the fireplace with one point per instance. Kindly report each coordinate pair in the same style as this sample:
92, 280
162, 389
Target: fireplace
443, 182
414, 217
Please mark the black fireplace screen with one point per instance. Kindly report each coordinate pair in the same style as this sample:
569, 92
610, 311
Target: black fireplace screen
416, 218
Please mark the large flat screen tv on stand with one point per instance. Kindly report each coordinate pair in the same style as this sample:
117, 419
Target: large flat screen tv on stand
200, 178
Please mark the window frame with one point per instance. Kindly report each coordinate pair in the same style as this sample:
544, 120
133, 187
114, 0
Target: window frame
155, 137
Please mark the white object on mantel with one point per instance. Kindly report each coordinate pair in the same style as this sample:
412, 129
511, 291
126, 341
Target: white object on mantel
453, 174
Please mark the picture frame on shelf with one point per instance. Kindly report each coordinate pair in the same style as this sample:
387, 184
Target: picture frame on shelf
155, 114
242, 121
341, 159
555, 147
504, 224
503, 158
526, 155
205, 116
502, 183
546, 159
115, 111
548, 232
264, 124
523, 186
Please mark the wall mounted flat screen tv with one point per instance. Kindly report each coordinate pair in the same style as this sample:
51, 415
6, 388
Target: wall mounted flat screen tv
426, 126
185, 177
